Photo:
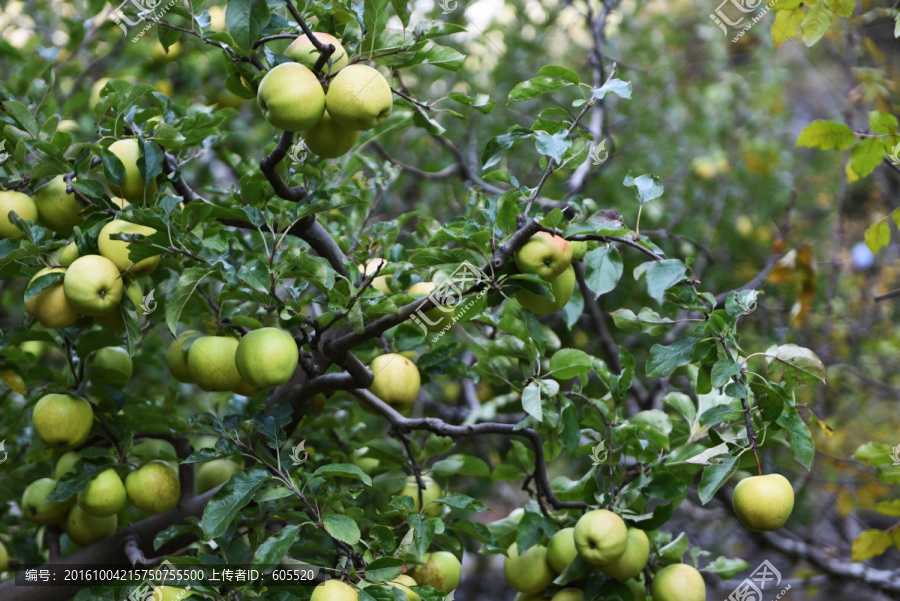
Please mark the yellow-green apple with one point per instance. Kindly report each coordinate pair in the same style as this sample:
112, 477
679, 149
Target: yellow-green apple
600, 536
430, 493
4, 559
763, 503
50, 306
404, 582
291, 97
266, 357
118, 251
114, 320
56, 209
678, 582
177, 357
68, 254
380, 282
524, 597
170, 593
438, 317
396, 380
579, 249
153, 488
62, 421
93, 285
359, 98
304, 52
530, 572
561, 549
36, 507
366, 464
334, 590
66, 463
115, 367
213, 473
104, 495
633, 561
562, 287
21, 205
545, 254
96, 89
441, 570
85, 529
133, 187
328, 139
211, 363
569, 594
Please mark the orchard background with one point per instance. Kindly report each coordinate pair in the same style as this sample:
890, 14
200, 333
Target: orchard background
738, 194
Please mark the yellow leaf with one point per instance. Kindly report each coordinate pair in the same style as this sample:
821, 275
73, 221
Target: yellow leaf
878, 236
785, 25
869, 544
13, 381
891, 508
895, 536
851, 175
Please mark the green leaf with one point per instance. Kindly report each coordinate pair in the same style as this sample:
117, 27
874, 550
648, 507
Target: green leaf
675, 550
785, 25
878, 236
842, 8
683, 404
802, 445
647, 186
531, 401
38, 285
664, 360
816, 23
648, 321
480, 102
443, 57
726, 567
274, 548
613, 86
553, 146
495, 147
795, 364
869, 544
534, 87
375, 18
342, 528
181, 294
245, 19
20, 113
561, 73
715, 476
661, 275
569, 363
882, 123
384, 568
234, 495
113, 169
875, 453
603, 269
866, 155
723, 371
827, 135
344, 470
464, 465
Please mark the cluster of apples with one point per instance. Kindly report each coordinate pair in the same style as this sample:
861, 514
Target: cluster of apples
153, 488
292, 98
601, 538
440, 569
260, 359
550, 257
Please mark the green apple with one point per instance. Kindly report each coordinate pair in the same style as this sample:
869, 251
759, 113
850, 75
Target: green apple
600, 536
544, 254
359, 97
133, 187
21, 205
579, 249
118, 251
404, 582
115, 367
114, 320
334, 590
211, 363
50, 306
524, 597
328, 139
66, 463
170, 593
245, 389
85, 529
530, 572
441, 570
57, 210
562, 287
633, 561
396, 380
267, 357
430, 493
380, 282
153, 488
763, 503
93, 285
68, 254
561, 550
96, 89
35, 505
569, 594
678, 582
291, 97
104, 495
62, 421
4, 559
214, 473
366, 464
303, 51
176, 357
